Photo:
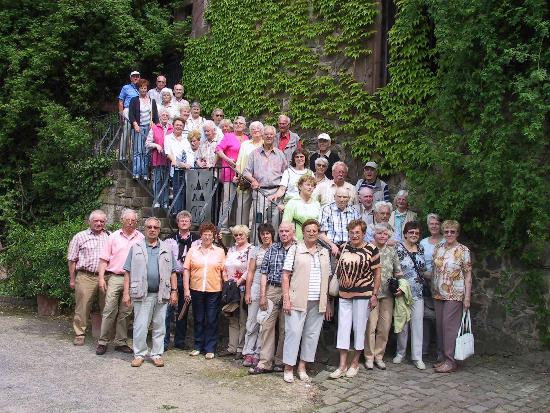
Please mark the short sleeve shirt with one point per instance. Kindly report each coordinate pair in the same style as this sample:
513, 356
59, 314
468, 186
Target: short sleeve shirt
356, 271
413, 266
450, 265
205, 266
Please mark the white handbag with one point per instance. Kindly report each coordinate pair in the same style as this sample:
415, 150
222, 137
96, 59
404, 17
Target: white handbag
464, 346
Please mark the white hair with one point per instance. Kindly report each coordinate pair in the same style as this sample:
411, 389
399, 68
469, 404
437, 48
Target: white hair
209, 123
96, 212
383, 226
403, 193
365, 187
127, 211
257, 125
271, 128
164, 110
153, 219
340, 163
431, 216
165, 91
382, 204
282, 115
321, 160
241, 118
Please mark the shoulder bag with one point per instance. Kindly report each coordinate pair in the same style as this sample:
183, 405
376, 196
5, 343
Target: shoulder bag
334, 285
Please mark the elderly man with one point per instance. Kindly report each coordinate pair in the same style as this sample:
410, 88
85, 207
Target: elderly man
365, 207
178, 99
379, 187
401, 214
150, 269
156, 92
323, 151
382, 213
111, 282
335, 218
180, 241
83, 258
264, 170
126, 94
270, 289
324, 192
286, 140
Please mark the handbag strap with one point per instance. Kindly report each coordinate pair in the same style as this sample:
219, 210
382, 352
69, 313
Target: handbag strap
413, 261
339, 260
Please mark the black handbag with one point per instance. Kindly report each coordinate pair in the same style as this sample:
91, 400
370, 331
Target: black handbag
230, 293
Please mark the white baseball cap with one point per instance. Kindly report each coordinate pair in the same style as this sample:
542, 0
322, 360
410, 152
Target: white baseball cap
135, 72
324, 136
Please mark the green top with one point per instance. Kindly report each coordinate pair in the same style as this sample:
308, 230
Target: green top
297, 212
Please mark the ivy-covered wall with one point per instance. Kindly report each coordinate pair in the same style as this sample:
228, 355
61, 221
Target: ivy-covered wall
464, 116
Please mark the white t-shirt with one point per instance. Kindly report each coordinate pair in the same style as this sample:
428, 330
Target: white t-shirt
314, 290
290, 181
179, 149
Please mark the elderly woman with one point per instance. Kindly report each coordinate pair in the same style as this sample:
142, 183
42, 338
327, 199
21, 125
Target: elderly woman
451, 291
302, 207
168, 104
228, 151
202, 285
244, 195
142, 113
236, 269
185, 111
208, 157
196, 121
380, 317
159, 162
321, 167
358, 272
411, 257
306, 273
402, 214
429, 244
178, 150
252, 342
194, 138
227, 126
289, 181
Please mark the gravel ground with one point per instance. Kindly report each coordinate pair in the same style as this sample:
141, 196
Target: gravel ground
41, 370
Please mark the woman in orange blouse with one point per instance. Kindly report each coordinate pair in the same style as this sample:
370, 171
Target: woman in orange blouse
202, 284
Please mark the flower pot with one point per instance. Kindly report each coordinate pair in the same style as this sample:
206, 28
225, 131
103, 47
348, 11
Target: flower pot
96, 324
47, 306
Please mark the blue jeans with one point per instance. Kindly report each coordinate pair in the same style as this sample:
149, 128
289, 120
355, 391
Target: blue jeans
140, 159
178, 181
181, 325
206, 311
160, 185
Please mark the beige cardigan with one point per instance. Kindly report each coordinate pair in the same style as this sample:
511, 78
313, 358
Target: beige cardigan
299, 280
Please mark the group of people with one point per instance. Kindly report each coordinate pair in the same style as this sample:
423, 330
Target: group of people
307, 246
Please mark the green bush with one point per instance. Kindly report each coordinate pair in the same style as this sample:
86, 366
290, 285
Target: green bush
36, 261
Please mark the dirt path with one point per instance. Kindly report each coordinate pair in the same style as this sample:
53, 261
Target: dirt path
40, 370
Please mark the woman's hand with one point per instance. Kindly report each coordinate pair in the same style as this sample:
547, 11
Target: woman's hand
137, 129
173, 298
335, 250
373, 302
398, 293
286, 305
329, 311
247, 298
281, 207
466, 304
187, 296
231, 162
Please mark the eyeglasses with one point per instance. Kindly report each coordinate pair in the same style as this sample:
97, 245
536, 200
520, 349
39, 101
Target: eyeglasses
152, 227
322, 166
299, 157
239, 235
450, 231
413, 232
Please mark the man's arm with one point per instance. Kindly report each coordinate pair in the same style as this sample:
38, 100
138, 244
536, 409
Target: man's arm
126, 289
263, 289
101, 277
72, 270
285, 284
120, 107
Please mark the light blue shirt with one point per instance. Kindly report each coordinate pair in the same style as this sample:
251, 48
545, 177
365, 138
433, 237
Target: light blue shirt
128, 92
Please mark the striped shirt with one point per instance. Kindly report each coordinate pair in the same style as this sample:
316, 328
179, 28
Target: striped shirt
272, 265
85, 249
334, 222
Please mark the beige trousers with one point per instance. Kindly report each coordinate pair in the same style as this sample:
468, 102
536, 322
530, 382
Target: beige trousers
115, 313
267, 330
237, 329
378, 329
86, 287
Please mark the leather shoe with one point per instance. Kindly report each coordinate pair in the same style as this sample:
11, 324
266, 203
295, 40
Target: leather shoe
445, 368
438, 363
100, 349
137, 361
158, 362
124, 349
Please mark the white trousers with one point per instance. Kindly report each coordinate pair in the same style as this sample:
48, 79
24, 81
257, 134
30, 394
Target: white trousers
352, 313
252, 340
302, 327
149, 311
416, 325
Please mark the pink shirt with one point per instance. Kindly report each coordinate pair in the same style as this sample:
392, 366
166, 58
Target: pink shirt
230, 146
117, 248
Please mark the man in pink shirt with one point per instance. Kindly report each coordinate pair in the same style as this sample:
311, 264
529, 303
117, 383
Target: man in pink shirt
111, 282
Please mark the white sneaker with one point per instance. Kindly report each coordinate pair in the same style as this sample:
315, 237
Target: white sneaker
369, 364
352, 372
419, 364
380, 364
336, 374
397, 359
194, 353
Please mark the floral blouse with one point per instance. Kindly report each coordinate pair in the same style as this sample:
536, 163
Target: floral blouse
389, 262
450, 265
236, 264
408, 267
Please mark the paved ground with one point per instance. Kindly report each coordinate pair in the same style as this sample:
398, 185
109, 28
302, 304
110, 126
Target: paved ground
40, 370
